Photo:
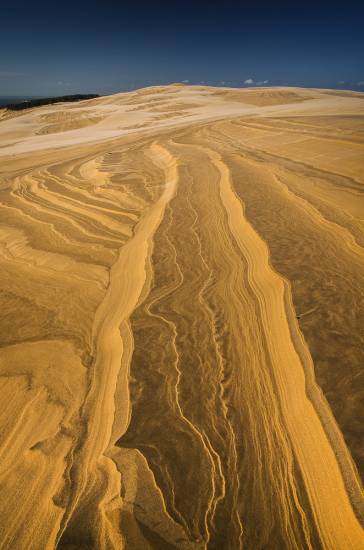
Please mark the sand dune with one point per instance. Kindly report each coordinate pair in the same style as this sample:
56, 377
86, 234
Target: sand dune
182, 299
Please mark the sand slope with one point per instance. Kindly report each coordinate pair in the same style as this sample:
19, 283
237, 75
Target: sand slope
182, 291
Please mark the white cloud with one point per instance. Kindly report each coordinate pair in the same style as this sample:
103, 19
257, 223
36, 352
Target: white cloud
341, 82
360, 83
249, 81
185, 81
261, 82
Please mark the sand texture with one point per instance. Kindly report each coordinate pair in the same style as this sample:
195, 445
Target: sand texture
182, 313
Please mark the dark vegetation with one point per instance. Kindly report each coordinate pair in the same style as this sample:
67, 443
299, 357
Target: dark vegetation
48, 100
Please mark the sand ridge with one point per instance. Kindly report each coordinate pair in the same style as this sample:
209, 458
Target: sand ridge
182, 288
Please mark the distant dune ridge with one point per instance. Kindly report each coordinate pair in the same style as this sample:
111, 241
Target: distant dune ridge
182, 292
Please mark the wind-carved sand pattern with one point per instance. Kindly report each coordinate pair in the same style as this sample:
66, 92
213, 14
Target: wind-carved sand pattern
182, 292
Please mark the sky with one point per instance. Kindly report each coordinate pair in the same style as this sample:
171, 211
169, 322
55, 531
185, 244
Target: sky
57, 48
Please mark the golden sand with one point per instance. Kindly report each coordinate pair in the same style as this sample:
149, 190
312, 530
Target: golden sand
182, 292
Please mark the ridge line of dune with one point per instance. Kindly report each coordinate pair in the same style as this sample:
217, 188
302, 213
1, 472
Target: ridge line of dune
326, 490
127, 280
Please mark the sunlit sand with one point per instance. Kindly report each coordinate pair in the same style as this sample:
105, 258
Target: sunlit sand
182, 291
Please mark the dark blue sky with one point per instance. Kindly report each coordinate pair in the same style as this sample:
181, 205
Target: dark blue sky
49, 48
